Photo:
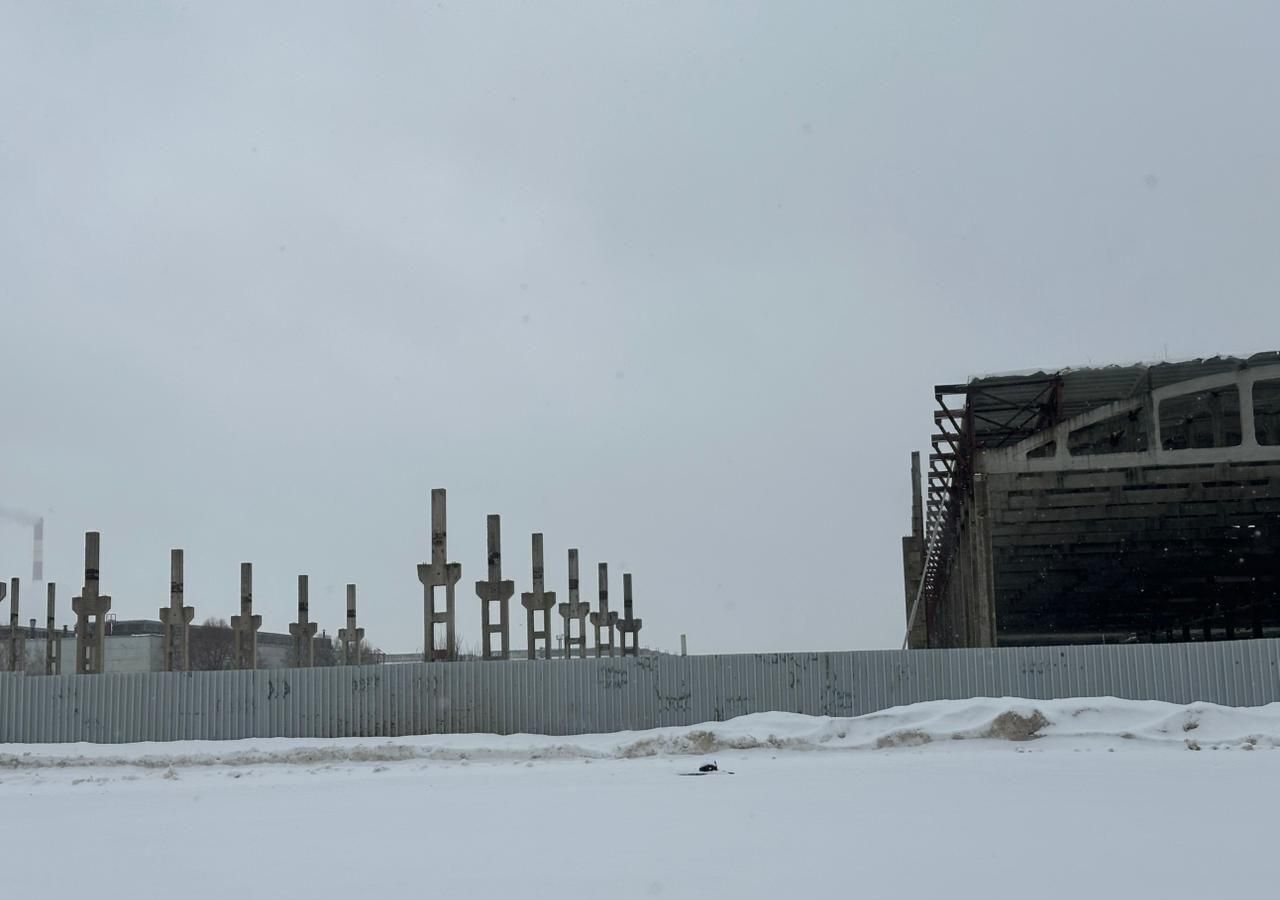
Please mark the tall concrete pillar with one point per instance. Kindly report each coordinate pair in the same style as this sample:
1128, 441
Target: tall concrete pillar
602, 618
176, 619
628, 624
913, 560
90, 608
574, 611
984, 599
52, 637
539, 602
495, 590
351, 636
244, 627
303, 630
17, 640
435, 574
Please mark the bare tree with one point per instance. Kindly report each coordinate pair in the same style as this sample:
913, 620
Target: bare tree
369, 654
212, 646
327, 652
461, 650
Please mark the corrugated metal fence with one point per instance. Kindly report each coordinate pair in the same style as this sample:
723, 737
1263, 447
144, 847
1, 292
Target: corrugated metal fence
602, 695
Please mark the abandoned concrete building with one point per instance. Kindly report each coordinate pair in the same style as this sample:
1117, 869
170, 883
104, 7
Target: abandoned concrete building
1112, 504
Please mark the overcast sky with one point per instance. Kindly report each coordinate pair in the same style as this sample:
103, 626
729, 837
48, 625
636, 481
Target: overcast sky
668, 281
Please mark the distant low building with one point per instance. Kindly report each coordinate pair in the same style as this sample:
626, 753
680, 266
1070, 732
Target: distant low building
137, 645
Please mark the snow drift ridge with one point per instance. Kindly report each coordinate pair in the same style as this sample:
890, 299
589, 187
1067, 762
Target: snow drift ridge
1103, 719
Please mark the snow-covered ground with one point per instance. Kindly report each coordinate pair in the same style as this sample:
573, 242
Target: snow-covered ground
980, 798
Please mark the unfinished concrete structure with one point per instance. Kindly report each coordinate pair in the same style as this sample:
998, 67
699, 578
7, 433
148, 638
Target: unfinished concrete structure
351, 636
1118, 504
53, 638
602, 619
176, 619
495, 591
628, 625
538, 603
17, 639
436, 574
244, 627
303, 630
91, 608
574, 612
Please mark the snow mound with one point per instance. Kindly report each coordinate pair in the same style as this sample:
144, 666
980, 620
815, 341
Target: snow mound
1102, 721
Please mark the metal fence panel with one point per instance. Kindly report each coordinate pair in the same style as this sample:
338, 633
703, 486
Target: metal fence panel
580, 696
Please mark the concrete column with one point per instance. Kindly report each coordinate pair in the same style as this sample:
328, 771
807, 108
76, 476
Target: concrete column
176, 619
539, 602
495, 590
438, 573
913, 561
351, 636
90, 608
574, 611
245, 626
628, 625
984, 589
967, 606
17, 640
53, 637
303, 630
603, 619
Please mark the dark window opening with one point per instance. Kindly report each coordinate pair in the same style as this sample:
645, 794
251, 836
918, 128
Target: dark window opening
1123, 433
1202, 420
1266, 411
